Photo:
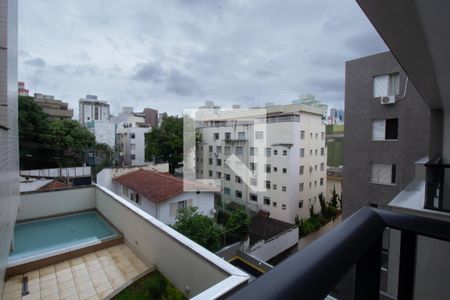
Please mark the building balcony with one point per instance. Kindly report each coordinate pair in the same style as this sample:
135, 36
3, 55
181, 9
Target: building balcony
140, 235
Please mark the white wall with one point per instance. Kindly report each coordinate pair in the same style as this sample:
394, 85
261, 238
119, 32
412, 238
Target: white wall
182, 261
265, 250
43, 204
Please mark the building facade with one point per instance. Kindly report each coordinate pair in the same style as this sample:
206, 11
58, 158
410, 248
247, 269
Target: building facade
382, 141
9, 138
92, 109
130, 143
104, 131
22, 90
54, 109
295, 159
335, 145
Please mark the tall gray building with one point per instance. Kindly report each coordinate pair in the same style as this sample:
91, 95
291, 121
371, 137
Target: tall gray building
9, 141
387, 130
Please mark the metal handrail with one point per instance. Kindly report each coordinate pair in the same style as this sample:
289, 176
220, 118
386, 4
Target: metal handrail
313, 272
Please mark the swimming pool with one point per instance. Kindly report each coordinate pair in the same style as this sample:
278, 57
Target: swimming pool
43, 238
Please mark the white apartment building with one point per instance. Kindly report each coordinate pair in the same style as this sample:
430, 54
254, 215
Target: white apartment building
90, 108
130, 142
295, 159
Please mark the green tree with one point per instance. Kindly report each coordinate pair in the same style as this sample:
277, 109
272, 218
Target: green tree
237, 226
199, 228
165, 144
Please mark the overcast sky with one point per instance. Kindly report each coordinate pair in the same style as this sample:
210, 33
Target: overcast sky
175, 54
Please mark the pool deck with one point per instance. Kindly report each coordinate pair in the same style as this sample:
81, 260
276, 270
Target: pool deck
92, 276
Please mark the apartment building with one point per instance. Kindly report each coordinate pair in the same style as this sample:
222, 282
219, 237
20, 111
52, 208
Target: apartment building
22, 90
93, 109
386, 131
293, 152
53, 108
9, 138
130, 143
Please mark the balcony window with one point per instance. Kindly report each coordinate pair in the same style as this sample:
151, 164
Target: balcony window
238, 194
267, 152
227, 177
133, 156
383, 174
226, 191
274, 204
241, 135
268, 168
253, 197
322, 151
227, 135
219, 162
132, 146
253, 151
253, 182
300, 204
253, 166
133, 135
284, 170
275, 169
275, 152
383, 130
302, 152
238, 151
216, 136
274, 186
218, 174
283, 206
238, 179
210, 161
227, 150
283, 189
322, 166
219, 149
267, 184
321, 181
302, 170
386, 85
284, 152
210, 173
210, 149
266, 200
302, 134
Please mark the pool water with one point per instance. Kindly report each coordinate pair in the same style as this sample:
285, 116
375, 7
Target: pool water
40, 237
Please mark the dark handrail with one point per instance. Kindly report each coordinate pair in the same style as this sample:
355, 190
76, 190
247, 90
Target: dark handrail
313, 272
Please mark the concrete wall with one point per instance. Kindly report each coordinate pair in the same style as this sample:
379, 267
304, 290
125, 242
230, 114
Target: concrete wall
360, 151
266, 250
42, 204
9, 143
182, 261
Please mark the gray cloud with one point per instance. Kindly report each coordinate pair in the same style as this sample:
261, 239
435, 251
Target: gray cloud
36, 62
149, 72
76, 70
331, 84
367, 43
182, 85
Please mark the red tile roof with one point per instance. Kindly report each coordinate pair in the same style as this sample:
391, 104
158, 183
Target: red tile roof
153, 185
54, 185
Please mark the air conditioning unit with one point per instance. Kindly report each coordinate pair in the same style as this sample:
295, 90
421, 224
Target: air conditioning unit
388, 100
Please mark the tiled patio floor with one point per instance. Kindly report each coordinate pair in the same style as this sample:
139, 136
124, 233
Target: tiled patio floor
92, 276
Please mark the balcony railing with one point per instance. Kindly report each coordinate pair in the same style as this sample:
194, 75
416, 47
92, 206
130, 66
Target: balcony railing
313, 272
435, 185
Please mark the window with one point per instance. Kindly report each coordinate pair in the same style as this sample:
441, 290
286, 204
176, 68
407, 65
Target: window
238, 151
218, 174
302, 170
259, 135
133, 156
216, 136
227, 150
253, 181
322, 166
284, 170
283, 206
219, 162
321, 181
274, 186
275, 152
268, 168
138, 199
315, 167
300, 204
310, 169
253, 151
124, 190
385, 129
266, 200
210, 149
274, 204
302, 152
284, 152
210, 161
316, 152
238, 194
132, 146
386, 85
219, 149
174, 207
253, 197
322, 136
267, 152
283, 188
383, 173
317, 136
322, 151
310, 135
310, 184
253, 166
302, 134
238, 179
210, 173
310, 152
267, 184
275, 169
227, 177
133, 135
226, 191
227, 135
241, 135
301, 187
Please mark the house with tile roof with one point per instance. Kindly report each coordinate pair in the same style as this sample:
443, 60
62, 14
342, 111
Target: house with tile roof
161, 194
